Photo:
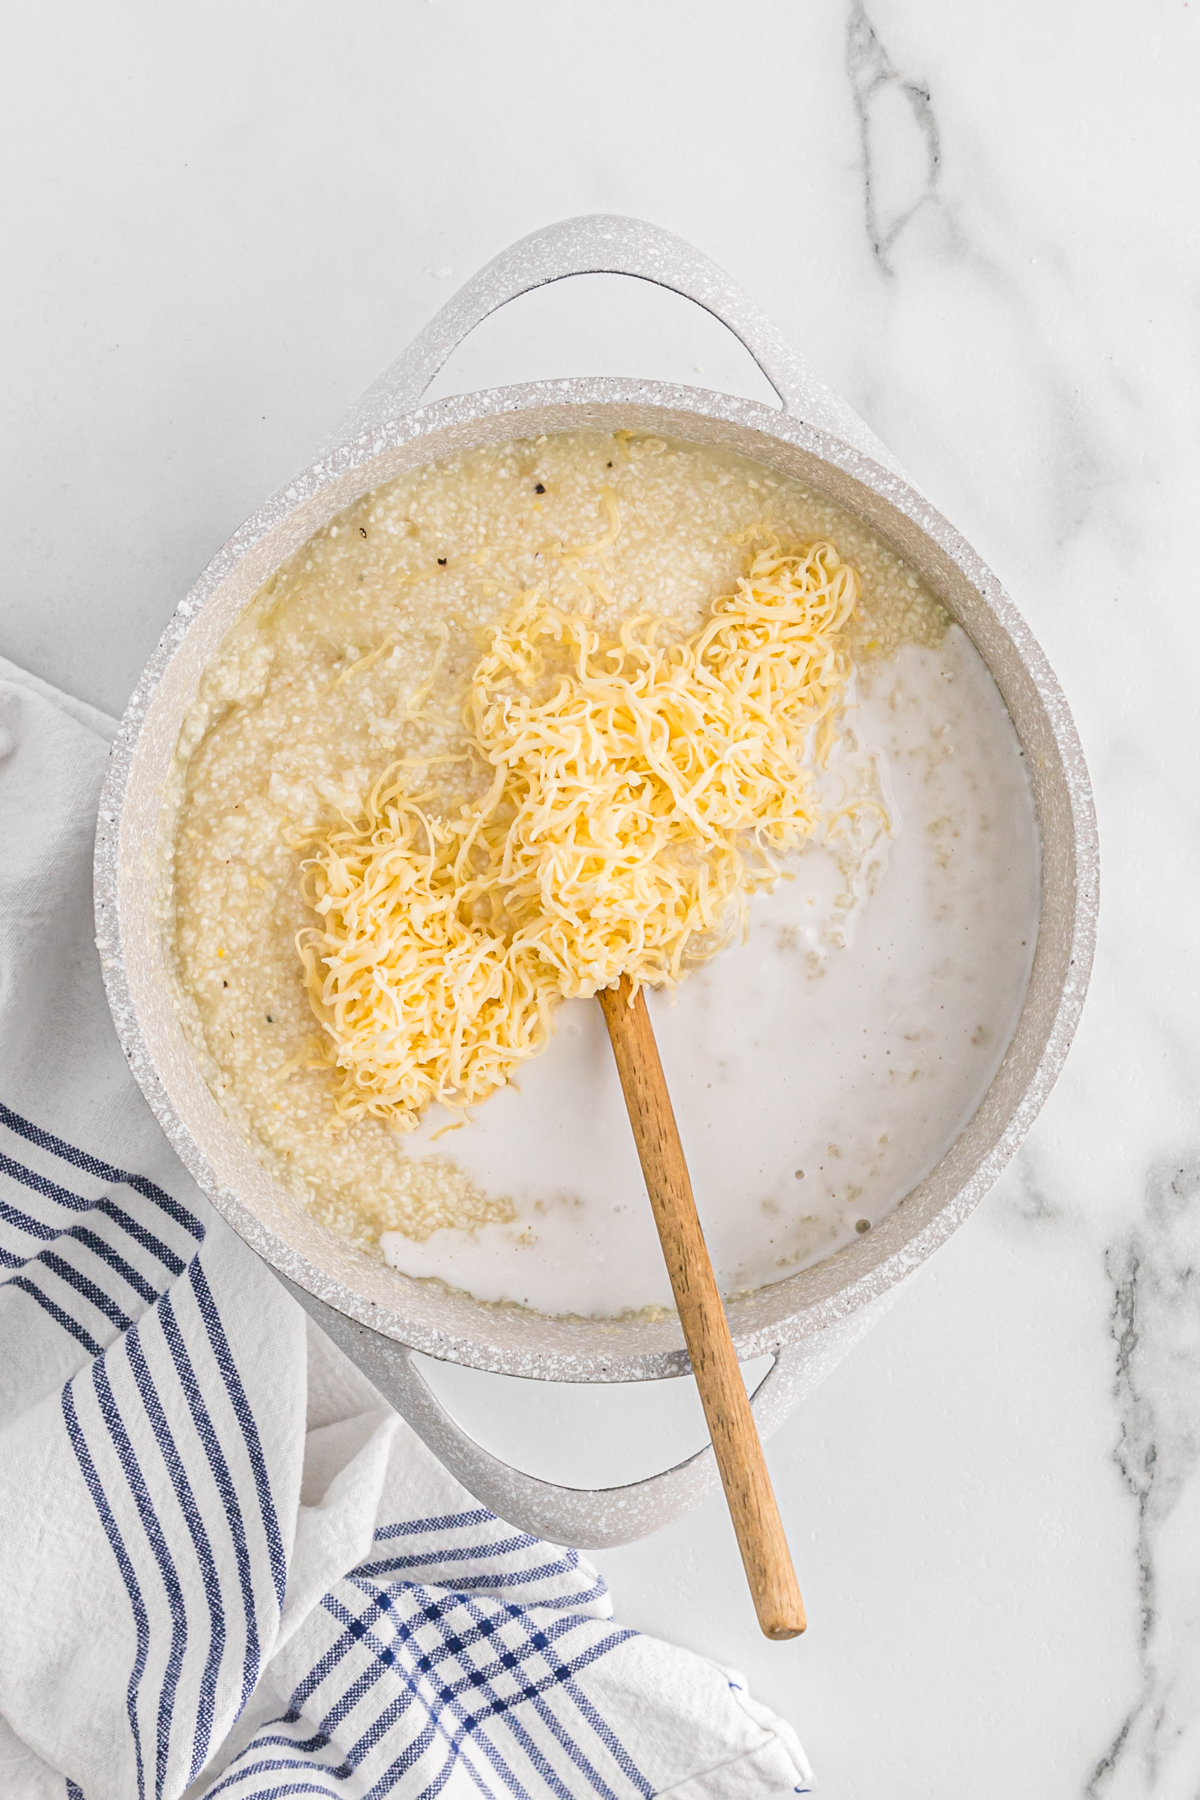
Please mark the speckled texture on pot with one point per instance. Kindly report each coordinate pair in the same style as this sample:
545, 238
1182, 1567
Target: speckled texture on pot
811, 1318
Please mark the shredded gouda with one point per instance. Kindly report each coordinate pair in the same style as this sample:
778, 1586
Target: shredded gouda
638, 792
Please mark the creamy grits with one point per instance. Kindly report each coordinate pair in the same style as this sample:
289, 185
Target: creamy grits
818, 1070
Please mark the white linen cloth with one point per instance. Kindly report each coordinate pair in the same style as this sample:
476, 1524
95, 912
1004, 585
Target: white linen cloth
226, 1566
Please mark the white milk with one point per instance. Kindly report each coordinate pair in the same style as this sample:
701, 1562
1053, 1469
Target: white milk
814, 1083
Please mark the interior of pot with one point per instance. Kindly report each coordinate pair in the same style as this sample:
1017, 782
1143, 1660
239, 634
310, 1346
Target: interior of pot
454, 1326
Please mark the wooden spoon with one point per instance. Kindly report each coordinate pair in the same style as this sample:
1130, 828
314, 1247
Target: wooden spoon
731, 1426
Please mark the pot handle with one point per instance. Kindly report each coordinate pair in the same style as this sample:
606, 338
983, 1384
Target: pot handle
606, 244
588, 1518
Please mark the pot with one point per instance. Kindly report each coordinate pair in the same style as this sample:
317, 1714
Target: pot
377, 1315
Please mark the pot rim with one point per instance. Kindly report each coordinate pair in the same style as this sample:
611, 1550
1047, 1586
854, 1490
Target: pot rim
458, 1328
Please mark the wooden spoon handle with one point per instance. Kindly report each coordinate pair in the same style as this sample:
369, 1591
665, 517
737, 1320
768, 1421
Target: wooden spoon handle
735, 1438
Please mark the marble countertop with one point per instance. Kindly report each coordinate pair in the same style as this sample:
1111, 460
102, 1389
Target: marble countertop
980, 226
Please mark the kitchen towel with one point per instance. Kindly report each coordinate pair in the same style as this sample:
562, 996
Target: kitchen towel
226, 1566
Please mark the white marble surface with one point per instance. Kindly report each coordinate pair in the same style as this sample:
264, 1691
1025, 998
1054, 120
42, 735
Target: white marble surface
980, 224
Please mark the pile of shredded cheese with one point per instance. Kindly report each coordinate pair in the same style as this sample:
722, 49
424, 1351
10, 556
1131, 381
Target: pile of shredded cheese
637, 792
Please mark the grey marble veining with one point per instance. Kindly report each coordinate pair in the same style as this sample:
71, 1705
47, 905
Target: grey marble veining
1115, 1189
1154, 1270
994, 1503
898, 137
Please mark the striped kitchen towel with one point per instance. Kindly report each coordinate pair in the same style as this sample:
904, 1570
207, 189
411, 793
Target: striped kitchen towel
226, 1567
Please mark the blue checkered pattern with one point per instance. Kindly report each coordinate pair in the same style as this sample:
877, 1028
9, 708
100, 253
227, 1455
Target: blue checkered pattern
454, 1650
416, 1681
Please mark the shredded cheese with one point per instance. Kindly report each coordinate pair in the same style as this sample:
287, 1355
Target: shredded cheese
637, 792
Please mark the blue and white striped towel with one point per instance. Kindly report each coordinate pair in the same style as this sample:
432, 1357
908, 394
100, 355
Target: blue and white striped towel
226, 1567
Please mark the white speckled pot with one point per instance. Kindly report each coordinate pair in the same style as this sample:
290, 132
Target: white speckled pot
376, 1314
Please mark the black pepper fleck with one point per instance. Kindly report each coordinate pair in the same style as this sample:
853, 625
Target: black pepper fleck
540, 488
270, 1020
224, 984
441, 562
362, 531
